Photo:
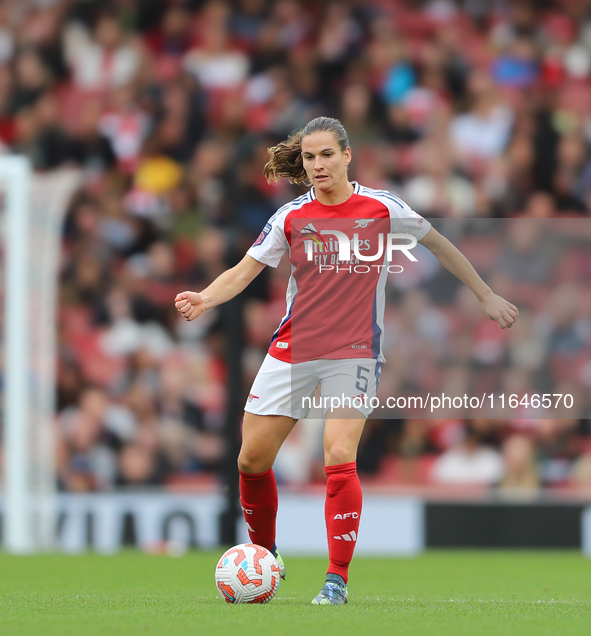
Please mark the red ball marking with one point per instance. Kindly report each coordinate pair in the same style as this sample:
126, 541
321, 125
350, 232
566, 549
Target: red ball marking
240, 556
227, 592
263, 597
260, 553
243, 578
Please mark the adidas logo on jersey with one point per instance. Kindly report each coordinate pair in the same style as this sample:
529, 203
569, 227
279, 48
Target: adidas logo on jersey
350, 536
309, 229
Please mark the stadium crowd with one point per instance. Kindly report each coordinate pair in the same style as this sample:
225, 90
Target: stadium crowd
474, 109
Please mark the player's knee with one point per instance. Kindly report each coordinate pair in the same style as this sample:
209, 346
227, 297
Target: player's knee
253, 463
339, 454
245, 463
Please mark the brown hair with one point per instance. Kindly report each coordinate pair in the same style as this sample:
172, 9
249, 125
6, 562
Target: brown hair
286, 157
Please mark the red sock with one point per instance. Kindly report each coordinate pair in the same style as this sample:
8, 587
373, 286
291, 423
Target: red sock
258, 497
342, 511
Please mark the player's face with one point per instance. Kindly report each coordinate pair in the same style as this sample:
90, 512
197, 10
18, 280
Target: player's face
324, 161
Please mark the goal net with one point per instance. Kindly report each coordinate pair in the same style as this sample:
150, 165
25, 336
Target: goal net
31, 217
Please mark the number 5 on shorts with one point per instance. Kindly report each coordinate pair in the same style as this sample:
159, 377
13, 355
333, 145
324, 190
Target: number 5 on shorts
363, 380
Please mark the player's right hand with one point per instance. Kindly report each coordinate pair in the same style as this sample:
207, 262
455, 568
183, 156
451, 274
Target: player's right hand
189, 304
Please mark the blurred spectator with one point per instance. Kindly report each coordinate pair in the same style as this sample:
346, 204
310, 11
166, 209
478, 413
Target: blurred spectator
521, 472
468, 110
215, 62
482, 133
558, 448
138, 467
173, 38
126, 127
580, 475
31, 79
90, 434
436, 191
103, 58
518, 67
468, 463
7, 38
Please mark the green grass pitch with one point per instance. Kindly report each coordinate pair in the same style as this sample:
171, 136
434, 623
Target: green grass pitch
471, 593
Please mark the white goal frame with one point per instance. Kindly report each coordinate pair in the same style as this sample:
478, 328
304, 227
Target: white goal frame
15, 177
34, 209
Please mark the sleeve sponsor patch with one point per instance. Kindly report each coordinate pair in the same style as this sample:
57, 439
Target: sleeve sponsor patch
263, 235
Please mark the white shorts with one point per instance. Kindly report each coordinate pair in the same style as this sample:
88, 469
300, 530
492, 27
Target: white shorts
281, 388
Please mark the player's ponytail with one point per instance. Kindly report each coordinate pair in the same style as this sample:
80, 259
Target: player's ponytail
286, 161
286, 157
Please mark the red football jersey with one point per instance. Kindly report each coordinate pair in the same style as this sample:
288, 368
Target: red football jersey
335, 308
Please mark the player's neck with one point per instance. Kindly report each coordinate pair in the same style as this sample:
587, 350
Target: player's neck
336, 197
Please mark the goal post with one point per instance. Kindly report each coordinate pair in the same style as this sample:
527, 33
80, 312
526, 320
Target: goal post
32, 218
15, 176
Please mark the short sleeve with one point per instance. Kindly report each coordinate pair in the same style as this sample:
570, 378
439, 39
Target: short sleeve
271, 243
407, 221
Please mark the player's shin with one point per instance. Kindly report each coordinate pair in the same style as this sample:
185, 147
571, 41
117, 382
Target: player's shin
342, 511
258, 497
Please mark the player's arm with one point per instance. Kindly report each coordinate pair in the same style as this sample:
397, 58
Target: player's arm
495, 307
224, 287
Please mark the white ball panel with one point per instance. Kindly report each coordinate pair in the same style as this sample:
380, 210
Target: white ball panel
247, 573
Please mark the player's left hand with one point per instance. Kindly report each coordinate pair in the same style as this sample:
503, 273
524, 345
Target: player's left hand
502, 311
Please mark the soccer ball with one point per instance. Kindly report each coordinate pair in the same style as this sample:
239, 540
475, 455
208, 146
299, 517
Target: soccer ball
247, 573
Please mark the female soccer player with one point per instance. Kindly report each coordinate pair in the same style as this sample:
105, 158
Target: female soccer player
332, 332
